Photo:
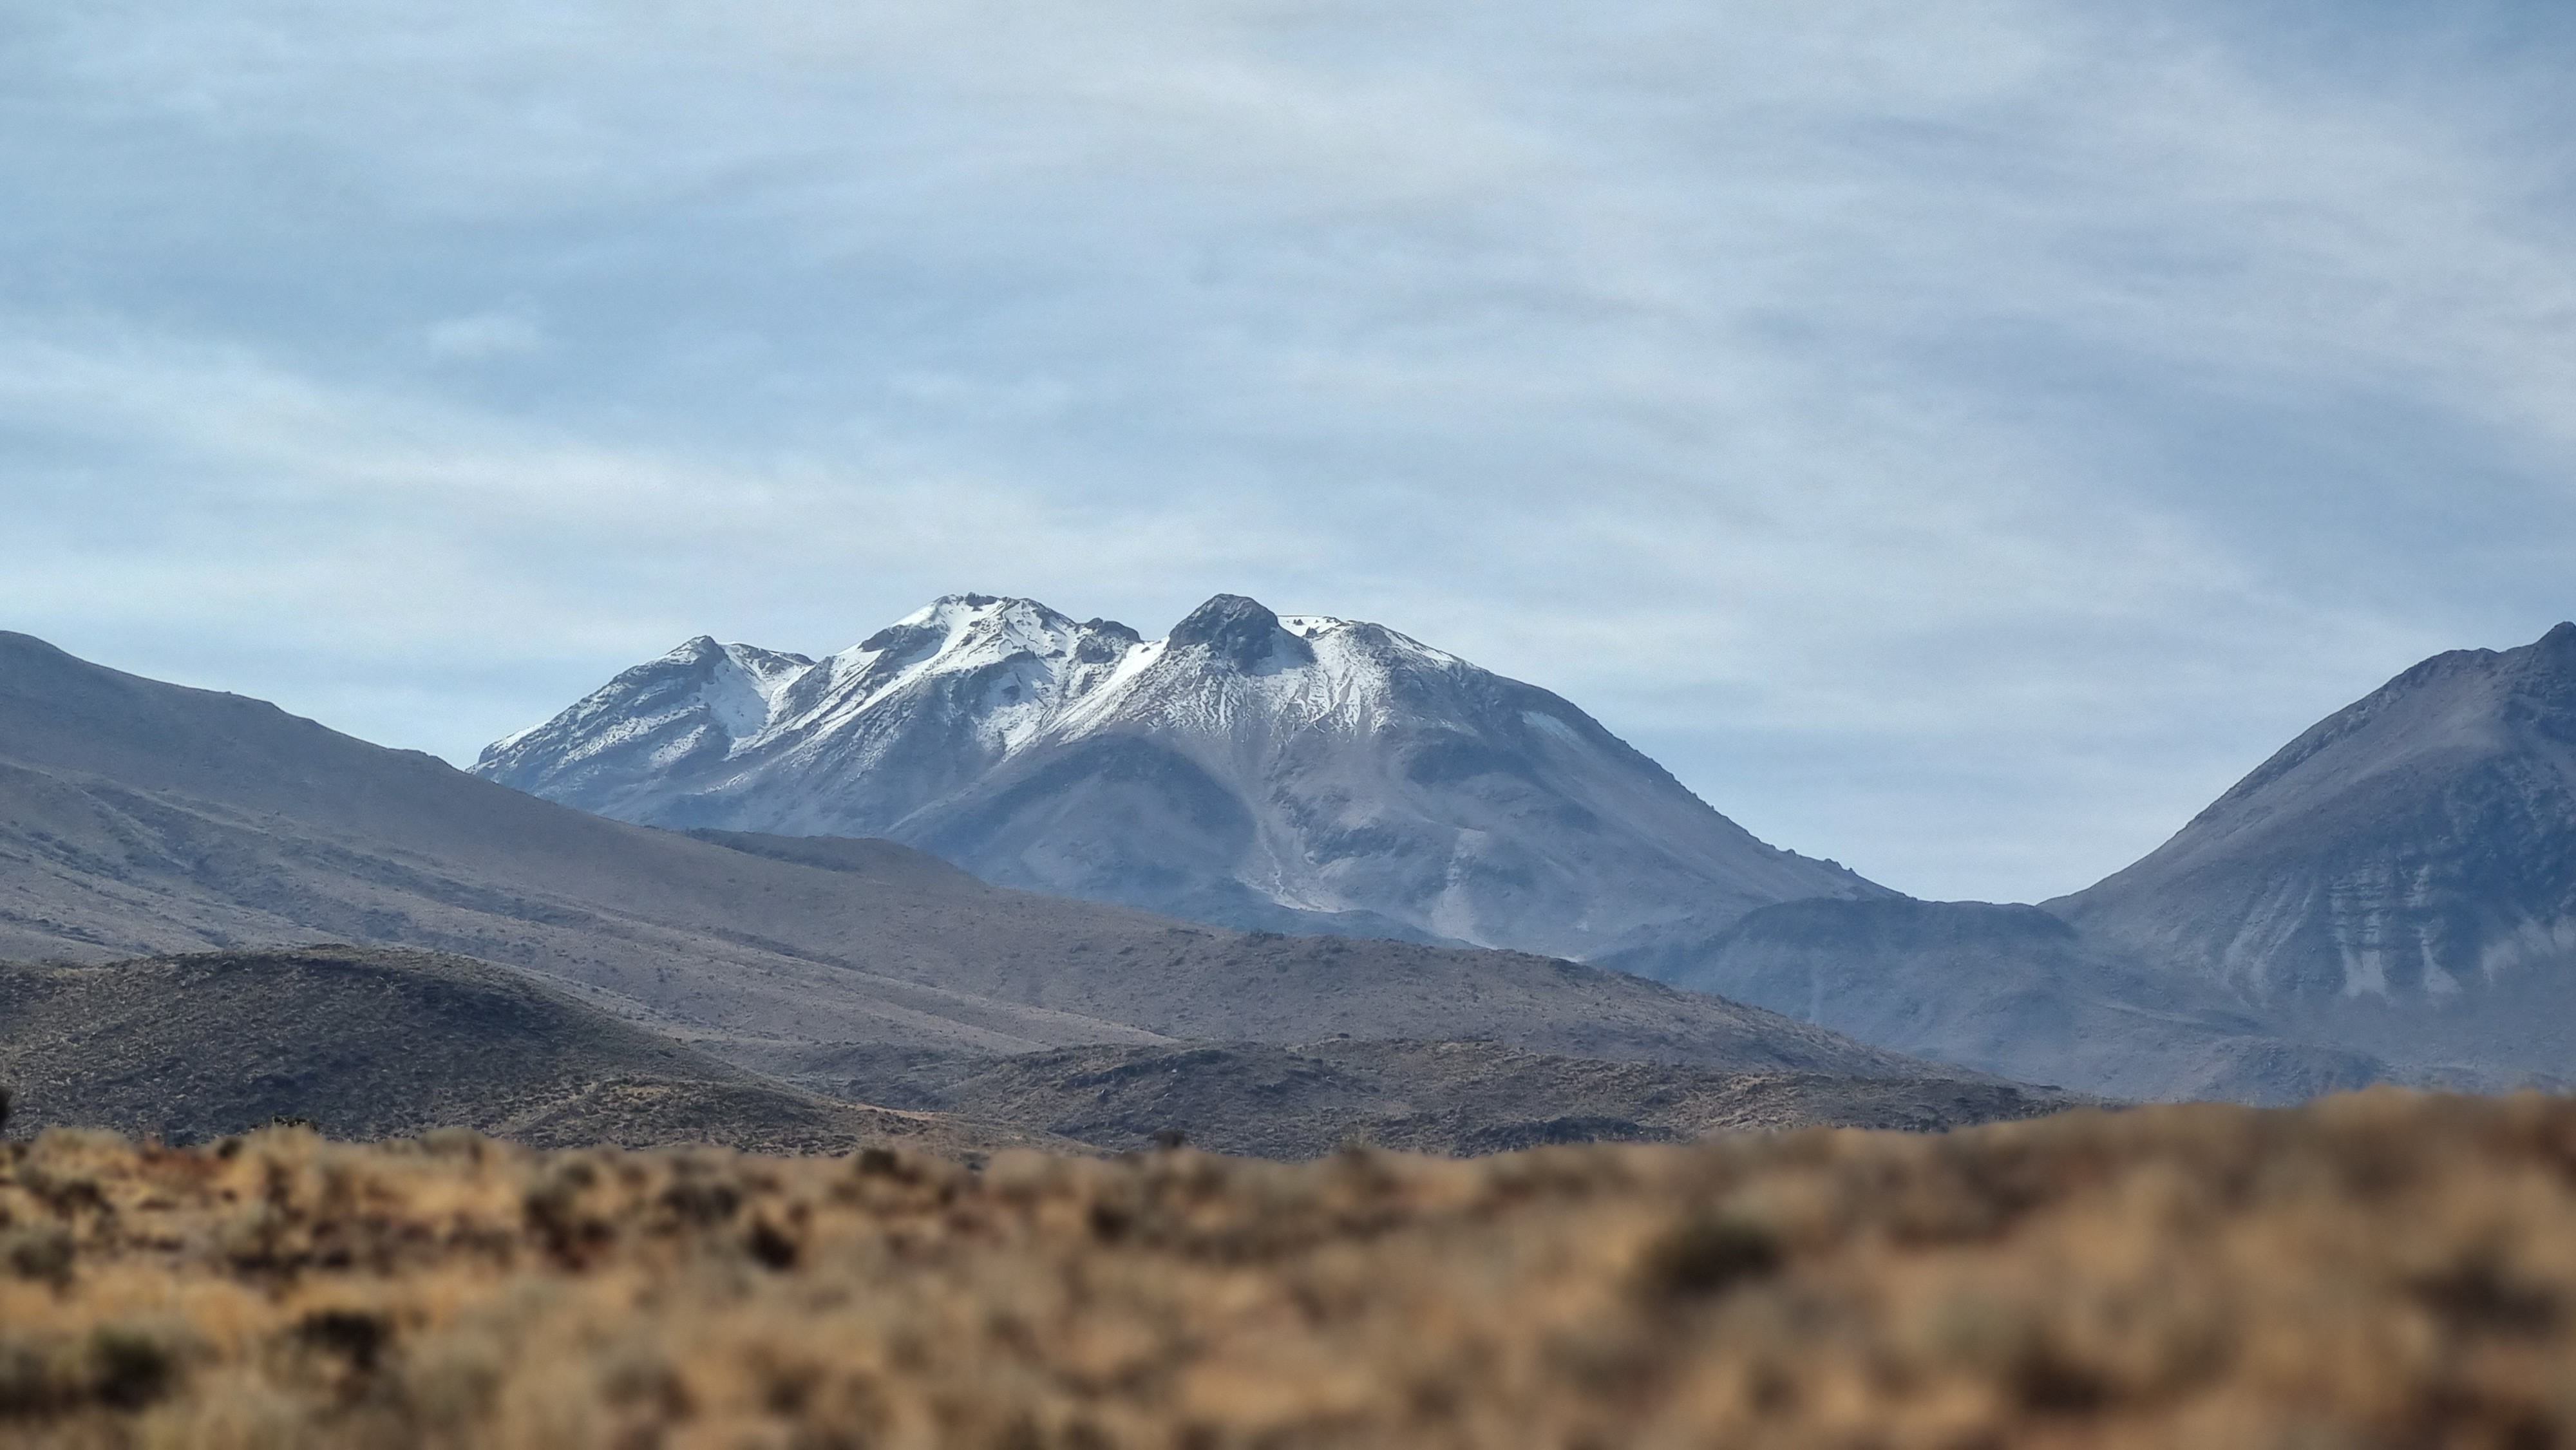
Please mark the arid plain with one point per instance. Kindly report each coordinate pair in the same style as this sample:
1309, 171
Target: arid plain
2382, 1269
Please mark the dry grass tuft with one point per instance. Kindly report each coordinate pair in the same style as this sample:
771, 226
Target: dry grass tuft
2378, 1270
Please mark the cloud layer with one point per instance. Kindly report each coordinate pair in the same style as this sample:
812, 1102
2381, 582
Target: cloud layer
1958, 438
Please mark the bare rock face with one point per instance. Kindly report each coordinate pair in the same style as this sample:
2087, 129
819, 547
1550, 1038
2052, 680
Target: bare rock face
2400, 879
1297, 774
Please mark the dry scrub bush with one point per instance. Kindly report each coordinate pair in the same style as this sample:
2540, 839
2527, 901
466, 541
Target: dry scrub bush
2379, 1270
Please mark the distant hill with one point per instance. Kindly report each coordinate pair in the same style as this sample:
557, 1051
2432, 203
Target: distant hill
1301, 774
142, 818
371, 1043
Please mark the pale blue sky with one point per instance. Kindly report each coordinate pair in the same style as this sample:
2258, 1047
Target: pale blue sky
1958, 437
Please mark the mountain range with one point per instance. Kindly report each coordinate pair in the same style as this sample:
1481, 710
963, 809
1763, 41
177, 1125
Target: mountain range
144, 826
2392, 896
906, 880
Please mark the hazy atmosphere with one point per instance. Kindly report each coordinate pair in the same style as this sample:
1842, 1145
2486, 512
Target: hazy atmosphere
1955, 438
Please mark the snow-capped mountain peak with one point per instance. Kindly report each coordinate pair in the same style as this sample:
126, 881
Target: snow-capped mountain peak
1024, 655
1305, 772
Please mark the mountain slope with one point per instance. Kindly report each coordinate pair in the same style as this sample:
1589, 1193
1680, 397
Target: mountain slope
373, 1043
1305, 774
2400, 878
143, 818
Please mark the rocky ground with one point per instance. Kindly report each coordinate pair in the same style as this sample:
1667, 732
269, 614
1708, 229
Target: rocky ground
2377, 1270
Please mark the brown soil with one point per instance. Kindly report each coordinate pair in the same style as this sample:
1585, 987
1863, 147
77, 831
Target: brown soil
2378, 1270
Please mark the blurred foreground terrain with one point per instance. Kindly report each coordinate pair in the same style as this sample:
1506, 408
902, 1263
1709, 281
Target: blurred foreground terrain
2385, 1269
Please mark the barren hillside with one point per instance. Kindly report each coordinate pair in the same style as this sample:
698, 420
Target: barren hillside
371, 1043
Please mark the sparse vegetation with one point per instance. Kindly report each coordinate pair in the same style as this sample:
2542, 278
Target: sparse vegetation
2378, 1270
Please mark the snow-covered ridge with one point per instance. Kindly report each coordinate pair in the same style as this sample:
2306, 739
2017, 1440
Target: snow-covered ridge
1301, 772
1051, 674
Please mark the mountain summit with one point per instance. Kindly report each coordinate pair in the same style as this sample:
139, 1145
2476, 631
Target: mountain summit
1296, 773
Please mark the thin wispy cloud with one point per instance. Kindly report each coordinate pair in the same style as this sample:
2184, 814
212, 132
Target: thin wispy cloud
1957, 438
